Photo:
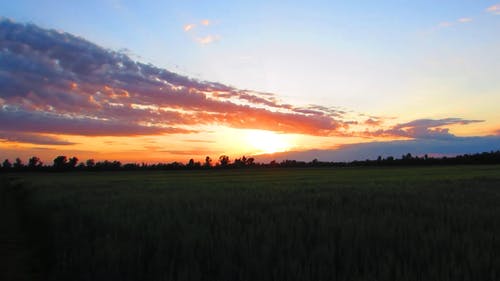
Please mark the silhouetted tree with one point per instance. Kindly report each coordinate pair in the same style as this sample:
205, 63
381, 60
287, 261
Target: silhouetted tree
60, 162
72, 162
224, 160
208, 162
6, 164
408, 156
18, 164
250, 161
90, 163
34, 163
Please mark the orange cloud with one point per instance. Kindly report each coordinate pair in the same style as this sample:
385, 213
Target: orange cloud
205, 22
189, 27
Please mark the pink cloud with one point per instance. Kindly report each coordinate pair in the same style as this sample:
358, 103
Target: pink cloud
495, 9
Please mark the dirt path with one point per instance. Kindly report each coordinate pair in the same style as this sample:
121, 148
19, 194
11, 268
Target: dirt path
17, 257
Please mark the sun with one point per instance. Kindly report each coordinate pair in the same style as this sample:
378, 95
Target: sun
267, 141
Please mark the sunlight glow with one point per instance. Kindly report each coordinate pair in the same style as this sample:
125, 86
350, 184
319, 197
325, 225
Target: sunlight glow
267, 141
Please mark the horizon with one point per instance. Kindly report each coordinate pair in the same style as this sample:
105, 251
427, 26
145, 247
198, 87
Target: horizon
168, 81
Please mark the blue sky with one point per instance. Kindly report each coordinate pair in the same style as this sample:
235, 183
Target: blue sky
396, 60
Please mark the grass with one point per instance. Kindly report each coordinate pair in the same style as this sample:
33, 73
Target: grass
429, 223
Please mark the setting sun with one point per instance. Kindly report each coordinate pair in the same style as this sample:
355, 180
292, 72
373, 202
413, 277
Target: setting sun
267, 141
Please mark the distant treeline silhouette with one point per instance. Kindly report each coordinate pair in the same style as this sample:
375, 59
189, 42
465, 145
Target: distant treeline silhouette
63, 163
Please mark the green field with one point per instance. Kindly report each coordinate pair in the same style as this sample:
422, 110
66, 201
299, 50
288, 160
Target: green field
429, 223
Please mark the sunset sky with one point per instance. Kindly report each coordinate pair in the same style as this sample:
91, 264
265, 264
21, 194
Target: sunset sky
162, 81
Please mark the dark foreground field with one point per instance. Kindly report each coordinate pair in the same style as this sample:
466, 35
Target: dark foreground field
438, 223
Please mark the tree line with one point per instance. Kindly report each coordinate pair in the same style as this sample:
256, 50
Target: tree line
63, 163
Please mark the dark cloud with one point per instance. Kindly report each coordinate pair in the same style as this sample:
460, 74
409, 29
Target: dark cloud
362, 151
44, 122
60, 83
423, 129
32, 138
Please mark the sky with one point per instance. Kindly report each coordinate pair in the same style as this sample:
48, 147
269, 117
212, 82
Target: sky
161, 81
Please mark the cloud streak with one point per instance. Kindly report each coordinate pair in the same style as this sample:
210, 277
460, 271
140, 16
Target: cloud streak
464, 20
495, 9
54, 82
32, 138
371, 150
422, 129
209, 39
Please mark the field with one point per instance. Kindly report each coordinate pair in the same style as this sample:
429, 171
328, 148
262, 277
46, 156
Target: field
424, 223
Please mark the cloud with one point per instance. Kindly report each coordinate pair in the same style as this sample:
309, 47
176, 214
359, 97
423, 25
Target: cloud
373, 122
208, 39
422, 129
189, 27
205, 22
362, 151
18, 120
200, 141
495, 9
56, 83
32, 138
445, 24
464, 20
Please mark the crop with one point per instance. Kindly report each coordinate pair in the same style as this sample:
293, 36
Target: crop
433, 223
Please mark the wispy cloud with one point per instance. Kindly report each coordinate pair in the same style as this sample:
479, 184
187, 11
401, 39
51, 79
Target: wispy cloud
464, 20
495, 9
209, 39
200, 34
445, 24
32, 138
189, 27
